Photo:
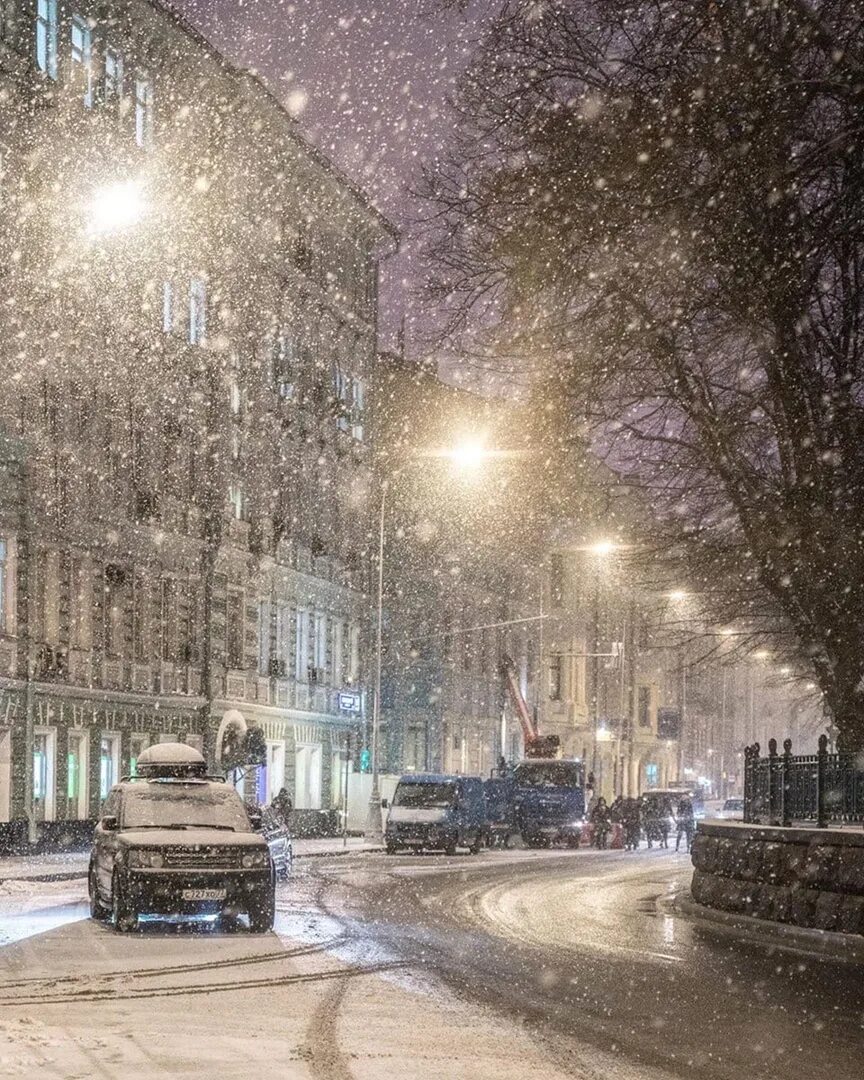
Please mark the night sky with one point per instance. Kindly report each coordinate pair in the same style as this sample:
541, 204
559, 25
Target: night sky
369, 85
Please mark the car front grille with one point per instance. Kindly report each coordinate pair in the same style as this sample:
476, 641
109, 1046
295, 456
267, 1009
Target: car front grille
202, 859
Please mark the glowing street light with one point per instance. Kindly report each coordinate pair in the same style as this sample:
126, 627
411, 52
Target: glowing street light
603, 548
677, 595
116, 206
468, 455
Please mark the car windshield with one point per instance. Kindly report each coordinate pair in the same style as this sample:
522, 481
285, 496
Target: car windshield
179, 806
425, 795
733, 804
548, 774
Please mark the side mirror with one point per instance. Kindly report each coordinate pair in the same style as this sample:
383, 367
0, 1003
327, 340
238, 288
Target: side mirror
256, 820
109, 823
385, 803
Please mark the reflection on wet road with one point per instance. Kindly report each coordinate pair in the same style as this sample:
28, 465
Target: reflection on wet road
586, 948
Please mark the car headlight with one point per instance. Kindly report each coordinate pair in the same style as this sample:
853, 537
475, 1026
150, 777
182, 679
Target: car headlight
137, 857
254, 858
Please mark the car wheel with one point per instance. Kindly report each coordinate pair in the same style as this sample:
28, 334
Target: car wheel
98, 911
450, 848
123, 914
261, 918
392, 848
474, 849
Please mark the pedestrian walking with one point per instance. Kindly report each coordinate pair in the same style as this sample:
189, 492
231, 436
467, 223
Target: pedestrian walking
630, 818
686, 821
601, 823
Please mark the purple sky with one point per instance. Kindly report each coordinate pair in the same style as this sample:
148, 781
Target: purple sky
368, 82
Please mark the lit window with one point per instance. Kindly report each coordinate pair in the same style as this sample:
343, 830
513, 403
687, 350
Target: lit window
46, 37
143, 111
284, 365
82, 57
197, 311
358, 407
235, 497
113, 80
235, 397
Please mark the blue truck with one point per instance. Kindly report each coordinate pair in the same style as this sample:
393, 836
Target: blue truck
549, 801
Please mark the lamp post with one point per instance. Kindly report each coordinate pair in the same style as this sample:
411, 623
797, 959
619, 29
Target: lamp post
465, 457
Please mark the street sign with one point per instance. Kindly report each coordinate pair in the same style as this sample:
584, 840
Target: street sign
349, 701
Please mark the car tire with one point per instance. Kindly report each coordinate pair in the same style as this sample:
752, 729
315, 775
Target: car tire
475, 847
391, 848
98, 911
262, 918
123, 914
450, 848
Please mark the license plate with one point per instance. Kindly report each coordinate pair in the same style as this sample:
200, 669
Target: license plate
204, 894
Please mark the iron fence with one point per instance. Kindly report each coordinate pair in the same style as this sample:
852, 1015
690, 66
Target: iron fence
821, 787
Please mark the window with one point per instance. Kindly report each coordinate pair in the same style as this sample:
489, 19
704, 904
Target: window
301, 650
357, 410
168, 615
197, 311
46, 37
44, 768
112, 86
338, 646
237, 499
234, 630
319, 651
264, 637
555, 678
115, 605
82, 58
80, 603
77, 794
354, 653
143, 111
283, 638
285, 365
556, 580
51, 598
235, 398
109, 763
7, 587
139, 618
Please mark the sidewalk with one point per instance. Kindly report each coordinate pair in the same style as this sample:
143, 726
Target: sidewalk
70, 865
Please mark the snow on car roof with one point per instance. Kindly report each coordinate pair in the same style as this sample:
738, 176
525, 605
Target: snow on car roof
170, 753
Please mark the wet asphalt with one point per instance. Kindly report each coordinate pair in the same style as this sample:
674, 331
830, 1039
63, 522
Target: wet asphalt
589, 952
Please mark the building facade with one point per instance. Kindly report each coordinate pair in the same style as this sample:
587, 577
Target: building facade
187, 332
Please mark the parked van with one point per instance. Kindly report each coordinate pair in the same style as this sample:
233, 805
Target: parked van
438, 812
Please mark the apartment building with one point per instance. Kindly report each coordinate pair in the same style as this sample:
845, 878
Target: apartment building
187, 334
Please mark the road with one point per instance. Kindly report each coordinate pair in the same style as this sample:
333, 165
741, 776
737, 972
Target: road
508, 964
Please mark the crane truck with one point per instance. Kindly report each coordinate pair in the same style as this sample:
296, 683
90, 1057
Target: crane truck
548, 790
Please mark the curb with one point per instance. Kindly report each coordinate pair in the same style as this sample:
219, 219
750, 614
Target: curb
75, 875
827, 943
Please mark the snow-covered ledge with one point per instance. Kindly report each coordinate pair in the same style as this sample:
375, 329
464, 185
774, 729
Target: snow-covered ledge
806, 877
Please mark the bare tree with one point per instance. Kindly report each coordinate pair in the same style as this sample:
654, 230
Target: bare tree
661, 202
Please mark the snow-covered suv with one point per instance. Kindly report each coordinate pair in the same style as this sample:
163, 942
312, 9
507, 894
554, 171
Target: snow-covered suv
173, 840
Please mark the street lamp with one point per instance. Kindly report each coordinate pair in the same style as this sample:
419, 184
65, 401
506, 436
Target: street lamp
116, 206
467, 457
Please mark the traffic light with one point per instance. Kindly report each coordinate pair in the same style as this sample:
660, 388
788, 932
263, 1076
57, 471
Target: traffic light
365, 760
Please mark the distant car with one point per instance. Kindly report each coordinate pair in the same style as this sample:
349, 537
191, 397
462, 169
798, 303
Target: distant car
732, 810
436, 812
173, 840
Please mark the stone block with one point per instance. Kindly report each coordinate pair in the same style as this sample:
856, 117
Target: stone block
803, 906
850, 870
850, 918
826, 914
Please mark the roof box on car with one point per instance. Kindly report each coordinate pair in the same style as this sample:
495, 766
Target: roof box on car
170, 759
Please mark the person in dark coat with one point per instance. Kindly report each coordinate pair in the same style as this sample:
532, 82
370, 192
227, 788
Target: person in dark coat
282, 805
630, 819
686, 820
601, 822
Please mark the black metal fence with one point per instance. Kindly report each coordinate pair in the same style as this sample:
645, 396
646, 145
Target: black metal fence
782, 788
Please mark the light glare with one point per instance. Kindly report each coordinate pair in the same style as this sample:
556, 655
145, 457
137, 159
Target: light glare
116, 206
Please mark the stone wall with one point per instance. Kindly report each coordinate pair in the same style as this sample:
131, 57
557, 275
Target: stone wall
806, 877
